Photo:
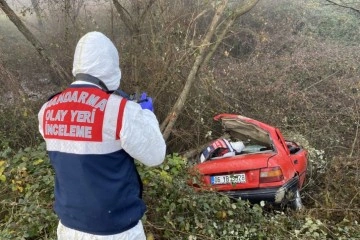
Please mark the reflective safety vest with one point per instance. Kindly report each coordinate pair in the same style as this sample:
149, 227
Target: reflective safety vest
217, 148
97, 186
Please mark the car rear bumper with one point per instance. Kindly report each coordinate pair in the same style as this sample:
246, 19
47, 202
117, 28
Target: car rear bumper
273, 195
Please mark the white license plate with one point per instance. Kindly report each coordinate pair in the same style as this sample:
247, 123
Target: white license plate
226, 179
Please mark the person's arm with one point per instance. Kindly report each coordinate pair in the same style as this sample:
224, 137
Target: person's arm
40, 118
140, 135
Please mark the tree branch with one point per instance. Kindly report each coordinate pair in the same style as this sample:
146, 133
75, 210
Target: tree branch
147, 8
179, 105
124, 15
343, 6
201, 59
244, 8
54, 66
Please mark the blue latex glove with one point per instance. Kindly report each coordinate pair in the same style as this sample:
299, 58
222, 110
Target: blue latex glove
146, 102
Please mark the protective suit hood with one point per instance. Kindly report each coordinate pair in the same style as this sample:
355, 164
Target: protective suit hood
97, 56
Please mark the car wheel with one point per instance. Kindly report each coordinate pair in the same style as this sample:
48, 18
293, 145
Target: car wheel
296, 203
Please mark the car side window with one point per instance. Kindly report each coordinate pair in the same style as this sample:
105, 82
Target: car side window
292, 148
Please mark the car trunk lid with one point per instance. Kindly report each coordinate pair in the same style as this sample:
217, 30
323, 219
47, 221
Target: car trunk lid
241, 171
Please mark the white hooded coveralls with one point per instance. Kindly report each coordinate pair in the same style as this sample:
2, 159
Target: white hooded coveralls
92, 139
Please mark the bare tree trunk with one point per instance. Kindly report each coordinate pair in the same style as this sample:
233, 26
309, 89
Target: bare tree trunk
133, 25
54, 66
124, 15
203, 53
67, 8
344, 5
170, 120
201, 60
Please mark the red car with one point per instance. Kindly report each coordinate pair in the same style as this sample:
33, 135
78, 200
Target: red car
269, 168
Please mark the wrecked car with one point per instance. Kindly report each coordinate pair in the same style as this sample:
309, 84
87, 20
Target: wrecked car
267, 168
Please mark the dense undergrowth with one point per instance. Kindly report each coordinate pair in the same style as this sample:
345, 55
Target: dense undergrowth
176, 211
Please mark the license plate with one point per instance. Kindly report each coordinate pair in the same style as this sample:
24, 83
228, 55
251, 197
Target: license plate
228, 179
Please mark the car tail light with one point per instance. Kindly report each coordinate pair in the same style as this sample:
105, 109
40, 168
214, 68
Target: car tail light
273, 174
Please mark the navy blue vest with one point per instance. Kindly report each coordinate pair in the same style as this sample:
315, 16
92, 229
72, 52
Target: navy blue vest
99, 194
97, 186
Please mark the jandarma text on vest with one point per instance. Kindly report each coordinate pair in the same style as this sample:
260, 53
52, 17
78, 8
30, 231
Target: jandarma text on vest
83, 97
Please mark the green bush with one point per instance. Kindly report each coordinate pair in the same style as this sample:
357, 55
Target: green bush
175, 210
26, 195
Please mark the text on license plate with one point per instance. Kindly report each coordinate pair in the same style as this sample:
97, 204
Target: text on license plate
226, 179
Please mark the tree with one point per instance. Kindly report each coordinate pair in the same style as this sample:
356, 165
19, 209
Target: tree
71, 12
53, 65
193, 35
352, 5
224, 16
133, 23
206, 47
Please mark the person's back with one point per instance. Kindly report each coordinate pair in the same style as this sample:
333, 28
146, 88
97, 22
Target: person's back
93, 137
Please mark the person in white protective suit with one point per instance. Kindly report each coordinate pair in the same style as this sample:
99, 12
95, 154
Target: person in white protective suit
92, 136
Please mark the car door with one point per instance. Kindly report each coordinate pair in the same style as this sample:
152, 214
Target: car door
297, 158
